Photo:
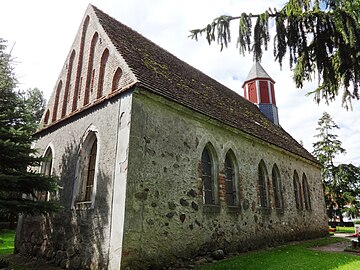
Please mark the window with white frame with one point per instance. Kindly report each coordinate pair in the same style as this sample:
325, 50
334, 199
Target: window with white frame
46, 169
87, 169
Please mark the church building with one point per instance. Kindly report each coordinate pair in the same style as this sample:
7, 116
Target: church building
159, 163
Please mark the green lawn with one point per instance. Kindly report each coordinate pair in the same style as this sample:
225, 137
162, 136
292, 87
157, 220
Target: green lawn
7, 242
292, 256
297, 257
340, 229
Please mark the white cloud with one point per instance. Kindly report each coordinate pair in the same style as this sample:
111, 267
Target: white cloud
44, 31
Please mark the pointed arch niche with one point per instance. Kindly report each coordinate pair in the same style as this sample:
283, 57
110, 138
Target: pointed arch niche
47, 116
80, 64
116, 79
90, 72
67, 84
56, 103
102, 69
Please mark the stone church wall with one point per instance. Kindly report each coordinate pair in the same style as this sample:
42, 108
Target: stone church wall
165, 218
78, 236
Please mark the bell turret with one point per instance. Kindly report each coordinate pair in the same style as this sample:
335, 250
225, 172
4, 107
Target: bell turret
259, 89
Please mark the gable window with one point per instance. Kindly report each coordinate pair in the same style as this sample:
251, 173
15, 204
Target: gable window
276, 182
87, 169
306, 193
297, 191
263, 185
230, 180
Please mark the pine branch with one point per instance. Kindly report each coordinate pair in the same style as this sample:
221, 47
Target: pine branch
318, 41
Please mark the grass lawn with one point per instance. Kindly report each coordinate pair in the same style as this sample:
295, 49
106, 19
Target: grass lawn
340, 229
297, 256
293, 256
7, 242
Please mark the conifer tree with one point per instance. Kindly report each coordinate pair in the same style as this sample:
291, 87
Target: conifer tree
327, 146
320, 37
19, 184
341, 182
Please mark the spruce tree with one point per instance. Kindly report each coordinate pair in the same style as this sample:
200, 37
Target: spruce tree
342, 181
19, 182
327, 146
320, 37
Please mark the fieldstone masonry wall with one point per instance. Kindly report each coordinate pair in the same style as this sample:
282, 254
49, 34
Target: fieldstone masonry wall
78, 236
165, 218
159, 168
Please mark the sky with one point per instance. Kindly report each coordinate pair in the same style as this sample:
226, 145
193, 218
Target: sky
40, 34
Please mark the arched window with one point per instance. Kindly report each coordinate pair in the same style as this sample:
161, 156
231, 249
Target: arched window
276, 182
104, 59
306, 192
263, 185
209, 183
46, 169
90, 74
297, 191
80, 63
87, 169
90, 174
67, 84
116, 79
231, 191
56, 103
47, 115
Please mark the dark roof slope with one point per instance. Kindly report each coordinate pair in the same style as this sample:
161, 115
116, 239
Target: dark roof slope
164, 74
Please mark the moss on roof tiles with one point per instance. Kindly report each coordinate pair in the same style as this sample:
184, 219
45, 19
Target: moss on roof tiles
166, 75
